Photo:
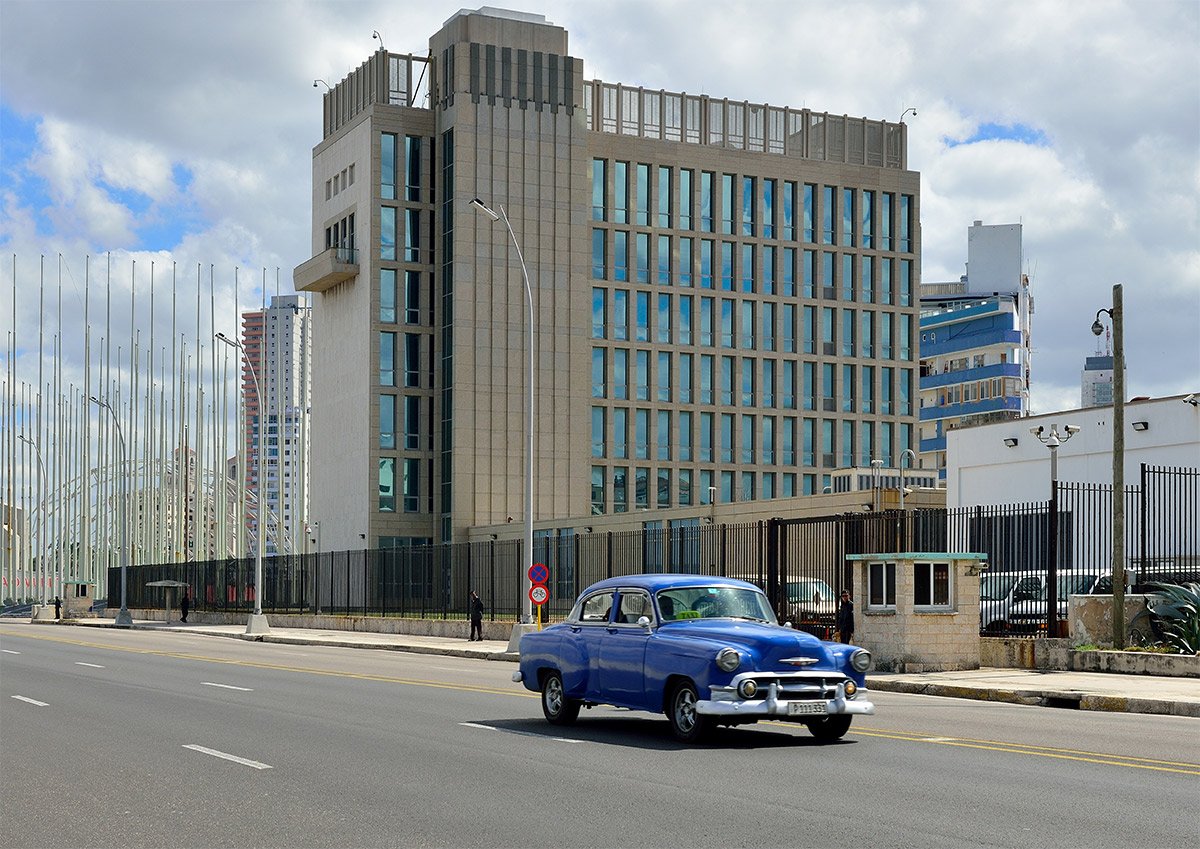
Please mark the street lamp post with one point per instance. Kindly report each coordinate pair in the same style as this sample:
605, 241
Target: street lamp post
527, 602
123, 617
42, 494
1117, 316
1052, 440
876, 471
257, 623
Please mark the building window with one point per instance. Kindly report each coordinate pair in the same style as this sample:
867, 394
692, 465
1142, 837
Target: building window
599, 190
387, 166
412, 235
685, 378
664, 260
412, 359
387, 359
621, 192
706, 201
387, 422
663, 435
412, 423
620, 315
881, 586
641, 316
621, 256
412, 297
620, 374
685, 199
727, 204
931, 585
685, 319
412, 173
664, 376
748, 206
664, 197
412, 485
599, 446
620, 433
685, 261
768, 227
387, 232
598, 495
685, 438
642, 199
387, 484
642, 256
387, 295
599, 312
599, 373
599, 259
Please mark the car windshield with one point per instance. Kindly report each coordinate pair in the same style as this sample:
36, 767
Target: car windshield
714, 603
1071, 585
995, 587
809, 589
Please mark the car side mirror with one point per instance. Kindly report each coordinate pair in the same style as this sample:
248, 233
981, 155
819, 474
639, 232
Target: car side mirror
644, 621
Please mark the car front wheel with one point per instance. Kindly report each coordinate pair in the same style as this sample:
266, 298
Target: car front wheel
830, 728
686, 724
559, 709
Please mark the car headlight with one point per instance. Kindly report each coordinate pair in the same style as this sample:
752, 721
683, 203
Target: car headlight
728, 659
860, 661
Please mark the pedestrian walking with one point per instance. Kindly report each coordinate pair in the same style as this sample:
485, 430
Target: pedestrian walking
845, 618
476, 608
185, 604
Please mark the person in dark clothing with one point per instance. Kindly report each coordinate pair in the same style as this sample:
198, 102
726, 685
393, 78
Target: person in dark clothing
476, 608
184, 606
57, 607
845, 618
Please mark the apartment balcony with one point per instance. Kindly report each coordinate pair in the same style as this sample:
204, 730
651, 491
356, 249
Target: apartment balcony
326, 270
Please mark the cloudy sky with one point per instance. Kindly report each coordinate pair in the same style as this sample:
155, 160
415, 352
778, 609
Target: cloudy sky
180, 133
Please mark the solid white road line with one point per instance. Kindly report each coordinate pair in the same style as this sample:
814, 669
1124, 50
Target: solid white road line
226, 756
520, 733
92, 665
31, 701
227, 686
9, 651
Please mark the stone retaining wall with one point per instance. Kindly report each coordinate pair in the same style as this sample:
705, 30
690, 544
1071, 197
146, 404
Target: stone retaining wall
1040, 653
456, 628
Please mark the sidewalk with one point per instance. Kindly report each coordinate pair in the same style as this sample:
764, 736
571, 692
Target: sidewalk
1073, 690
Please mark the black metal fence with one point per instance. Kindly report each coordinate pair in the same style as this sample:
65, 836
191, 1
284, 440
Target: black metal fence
800, 563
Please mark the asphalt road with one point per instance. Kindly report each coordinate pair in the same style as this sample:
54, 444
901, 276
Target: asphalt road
119, 738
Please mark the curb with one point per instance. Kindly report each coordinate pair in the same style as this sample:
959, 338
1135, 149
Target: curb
1071, 700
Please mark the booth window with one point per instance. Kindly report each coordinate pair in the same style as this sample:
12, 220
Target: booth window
931, 584
881, 586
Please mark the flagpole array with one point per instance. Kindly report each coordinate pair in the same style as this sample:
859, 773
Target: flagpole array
165, 477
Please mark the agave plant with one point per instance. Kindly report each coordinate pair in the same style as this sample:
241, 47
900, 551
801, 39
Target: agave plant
1173, 611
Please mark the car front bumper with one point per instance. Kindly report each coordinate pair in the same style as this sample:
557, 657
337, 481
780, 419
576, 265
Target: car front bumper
727, 703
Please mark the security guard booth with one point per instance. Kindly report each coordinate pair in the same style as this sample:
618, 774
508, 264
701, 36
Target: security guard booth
918, 611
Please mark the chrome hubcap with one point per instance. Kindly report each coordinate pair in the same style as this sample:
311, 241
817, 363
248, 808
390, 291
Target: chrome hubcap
685, 710
554, 695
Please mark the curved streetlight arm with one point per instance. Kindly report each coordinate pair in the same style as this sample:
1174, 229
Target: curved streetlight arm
527, 604
123, 616
257, 622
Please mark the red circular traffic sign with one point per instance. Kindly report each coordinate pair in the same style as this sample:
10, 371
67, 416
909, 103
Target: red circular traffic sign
538, 594
538, 573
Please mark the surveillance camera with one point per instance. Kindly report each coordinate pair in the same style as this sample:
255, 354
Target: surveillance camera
1073, 428
1190, 398
1037, 431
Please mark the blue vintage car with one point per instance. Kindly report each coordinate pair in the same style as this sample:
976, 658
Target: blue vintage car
705, 651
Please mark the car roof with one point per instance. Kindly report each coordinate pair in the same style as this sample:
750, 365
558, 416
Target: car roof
656, 582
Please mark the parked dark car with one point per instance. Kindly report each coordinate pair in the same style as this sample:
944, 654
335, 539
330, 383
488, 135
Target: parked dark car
704, 651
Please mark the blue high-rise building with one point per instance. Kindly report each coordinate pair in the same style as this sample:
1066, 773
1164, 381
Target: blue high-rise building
975, 342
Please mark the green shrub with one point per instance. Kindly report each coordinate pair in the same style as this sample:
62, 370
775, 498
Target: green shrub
1173, 613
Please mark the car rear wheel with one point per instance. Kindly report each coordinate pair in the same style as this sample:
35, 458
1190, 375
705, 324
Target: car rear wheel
686, 724
559, 709
830, 728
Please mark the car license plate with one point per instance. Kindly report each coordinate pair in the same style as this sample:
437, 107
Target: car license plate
796, 708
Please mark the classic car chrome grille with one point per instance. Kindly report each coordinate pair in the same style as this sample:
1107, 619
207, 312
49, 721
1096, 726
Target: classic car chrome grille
797, 688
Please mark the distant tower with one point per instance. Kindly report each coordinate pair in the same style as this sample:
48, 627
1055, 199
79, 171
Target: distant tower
1096, 385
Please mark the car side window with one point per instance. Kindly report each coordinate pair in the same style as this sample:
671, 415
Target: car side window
634, 605
596, 608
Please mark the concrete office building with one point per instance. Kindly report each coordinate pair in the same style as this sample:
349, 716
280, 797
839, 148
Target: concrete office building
278, 340
724, 293
975, 342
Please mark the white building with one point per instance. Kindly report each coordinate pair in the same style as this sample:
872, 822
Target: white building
1003, 463
1096, 389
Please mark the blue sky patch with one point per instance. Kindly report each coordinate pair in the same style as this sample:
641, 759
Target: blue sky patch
19, 138
1004, 132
